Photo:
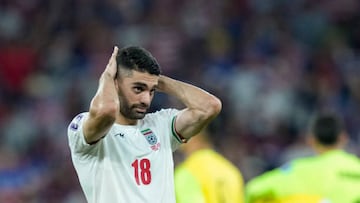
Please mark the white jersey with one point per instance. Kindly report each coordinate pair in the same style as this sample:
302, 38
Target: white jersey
131, 164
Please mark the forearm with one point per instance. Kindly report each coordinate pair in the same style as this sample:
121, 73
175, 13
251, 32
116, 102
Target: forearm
103, 109
191, 96
106, 99
201, 106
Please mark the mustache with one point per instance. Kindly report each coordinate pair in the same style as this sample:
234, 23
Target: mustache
141, 105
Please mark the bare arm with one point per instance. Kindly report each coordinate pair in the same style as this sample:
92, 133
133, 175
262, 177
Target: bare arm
201, 107
104, 105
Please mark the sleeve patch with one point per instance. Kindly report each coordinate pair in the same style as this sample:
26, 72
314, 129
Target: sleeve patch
74, 125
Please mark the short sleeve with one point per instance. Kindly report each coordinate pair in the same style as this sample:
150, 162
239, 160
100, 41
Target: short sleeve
164, 120
269, 185
175, 138
77, 142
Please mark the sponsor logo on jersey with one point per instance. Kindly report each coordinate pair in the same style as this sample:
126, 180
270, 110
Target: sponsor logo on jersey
120, 134
151, 139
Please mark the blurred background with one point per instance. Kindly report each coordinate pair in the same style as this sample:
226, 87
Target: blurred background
273, 63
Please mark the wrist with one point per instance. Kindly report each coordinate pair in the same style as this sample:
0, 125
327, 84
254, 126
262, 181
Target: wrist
161, 83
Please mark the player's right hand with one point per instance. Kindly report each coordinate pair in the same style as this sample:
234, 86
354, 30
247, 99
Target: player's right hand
111, 67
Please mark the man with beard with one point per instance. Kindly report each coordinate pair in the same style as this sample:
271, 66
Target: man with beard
120, 152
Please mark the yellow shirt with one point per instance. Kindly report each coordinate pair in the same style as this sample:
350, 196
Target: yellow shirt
334, 175
303, 199
207, 177
296, 199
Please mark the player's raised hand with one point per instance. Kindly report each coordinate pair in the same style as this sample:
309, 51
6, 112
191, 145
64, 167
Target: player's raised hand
111, 67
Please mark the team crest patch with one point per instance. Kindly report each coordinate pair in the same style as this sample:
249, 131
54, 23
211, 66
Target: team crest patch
151, 138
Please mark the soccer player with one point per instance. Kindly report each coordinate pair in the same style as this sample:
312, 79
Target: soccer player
333, 175
120, 152
206, 176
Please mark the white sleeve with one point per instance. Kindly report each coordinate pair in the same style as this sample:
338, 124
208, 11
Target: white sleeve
77, 142
165, 119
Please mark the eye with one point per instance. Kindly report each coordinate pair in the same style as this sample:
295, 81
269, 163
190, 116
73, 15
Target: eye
152, 91
138, 89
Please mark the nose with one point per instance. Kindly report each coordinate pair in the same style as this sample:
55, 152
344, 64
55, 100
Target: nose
146, 98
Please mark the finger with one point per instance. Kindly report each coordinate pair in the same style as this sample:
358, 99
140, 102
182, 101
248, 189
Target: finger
113, 55
115, 51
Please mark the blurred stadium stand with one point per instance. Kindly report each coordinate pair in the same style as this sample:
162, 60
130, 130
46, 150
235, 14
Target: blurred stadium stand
273, 64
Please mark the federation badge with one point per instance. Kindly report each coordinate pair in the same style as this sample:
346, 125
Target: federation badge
151, 139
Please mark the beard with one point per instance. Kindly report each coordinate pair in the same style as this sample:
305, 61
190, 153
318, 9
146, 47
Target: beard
130, 111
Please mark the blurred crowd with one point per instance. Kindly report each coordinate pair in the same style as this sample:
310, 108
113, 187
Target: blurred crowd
272, 63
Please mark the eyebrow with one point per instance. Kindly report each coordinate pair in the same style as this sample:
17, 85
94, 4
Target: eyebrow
143, 85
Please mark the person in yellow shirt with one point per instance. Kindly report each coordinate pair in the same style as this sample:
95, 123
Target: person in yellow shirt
206, 176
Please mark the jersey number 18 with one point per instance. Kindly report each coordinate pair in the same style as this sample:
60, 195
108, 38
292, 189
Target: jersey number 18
142, 171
